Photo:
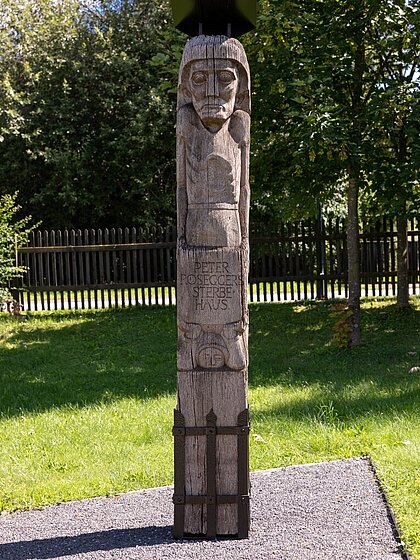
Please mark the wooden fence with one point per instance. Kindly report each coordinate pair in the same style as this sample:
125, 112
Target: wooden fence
133, 266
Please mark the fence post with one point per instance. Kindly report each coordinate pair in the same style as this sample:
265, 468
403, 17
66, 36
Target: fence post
321, 292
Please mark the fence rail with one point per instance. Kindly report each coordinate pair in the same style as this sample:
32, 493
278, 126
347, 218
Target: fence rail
74, 269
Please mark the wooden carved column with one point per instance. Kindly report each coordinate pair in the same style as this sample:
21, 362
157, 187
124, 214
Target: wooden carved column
211, 420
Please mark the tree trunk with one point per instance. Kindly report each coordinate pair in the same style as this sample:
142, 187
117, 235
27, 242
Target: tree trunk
354, 173
353, 255
402, 264
402, 242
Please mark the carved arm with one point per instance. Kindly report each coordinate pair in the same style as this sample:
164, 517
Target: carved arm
181, 192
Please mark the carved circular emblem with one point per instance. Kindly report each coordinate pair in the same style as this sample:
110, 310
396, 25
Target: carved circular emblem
211, 357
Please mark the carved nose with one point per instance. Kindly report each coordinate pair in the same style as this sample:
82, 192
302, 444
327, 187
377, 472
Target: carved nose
212, 86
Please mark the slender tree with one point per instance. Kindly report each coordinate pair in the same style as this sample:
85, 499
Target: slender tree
394, 128
318, 64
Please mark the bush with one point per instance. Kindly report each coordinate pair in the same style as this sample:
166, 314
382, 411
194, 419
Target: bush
13, 234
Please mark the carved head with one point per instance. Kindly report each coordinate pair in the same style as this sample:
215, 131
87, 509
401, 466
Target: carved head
214, 77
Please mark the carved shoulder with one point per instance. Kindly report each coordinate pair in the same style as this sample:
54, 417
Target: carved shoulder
239, 127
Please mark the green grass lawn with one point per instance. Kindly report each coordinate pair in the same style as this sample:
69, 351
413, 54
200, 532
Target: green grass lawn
86, 400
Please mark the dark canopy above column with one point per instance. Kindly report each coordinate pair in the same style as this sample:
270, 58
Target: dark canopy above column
214, 17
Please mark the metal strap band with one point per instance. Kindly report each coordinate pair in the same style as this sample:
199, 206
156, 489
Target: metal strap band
221, 499
211, 473
211, 500
202, 431
243, 477
179, 480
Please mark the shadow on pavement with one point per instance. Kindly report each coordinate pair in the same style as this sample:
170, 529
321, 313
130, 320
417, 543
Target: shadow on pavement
89, 542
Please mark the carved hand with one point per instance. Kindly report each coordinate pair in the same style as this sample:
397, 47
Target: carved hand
189, 330
233, 330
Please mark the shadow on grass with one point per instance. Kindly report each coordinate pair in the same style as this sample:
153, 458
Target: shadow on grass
290, 348
83, 544
77, 359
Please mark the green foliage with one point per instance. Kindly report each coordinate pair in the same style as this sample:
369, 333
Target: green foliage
394, 163
89, 111
335, 83
88, 96
13, 234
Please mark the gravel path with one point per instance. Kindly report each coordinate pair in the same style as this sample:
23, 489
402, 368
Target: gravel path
311, 512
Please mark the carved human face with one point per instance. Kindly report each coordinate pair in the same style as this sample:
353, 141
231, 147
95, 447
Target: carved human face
213, 85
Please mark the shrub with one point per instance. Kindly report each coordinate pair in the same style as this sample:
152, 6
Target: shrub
14, 233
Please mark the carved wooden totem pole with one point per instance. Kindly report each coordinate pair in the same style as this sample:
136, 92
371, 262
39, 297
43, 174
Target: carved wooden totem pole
211, 420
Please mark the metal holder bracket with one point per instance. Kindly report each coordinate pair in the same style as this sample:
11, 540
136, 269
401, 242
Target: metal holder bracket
211, 499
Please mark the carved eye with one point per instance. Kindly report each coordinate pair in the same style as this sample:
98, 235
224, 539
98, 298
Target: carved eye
199, 78
226, 76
